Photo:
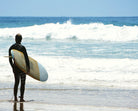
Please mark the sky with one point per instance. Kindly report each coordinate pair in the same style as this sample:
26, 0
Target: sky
72, 8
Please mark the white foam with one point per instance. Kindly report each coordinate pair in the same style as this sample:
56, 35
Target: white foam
91, 72
121, 73
92, 31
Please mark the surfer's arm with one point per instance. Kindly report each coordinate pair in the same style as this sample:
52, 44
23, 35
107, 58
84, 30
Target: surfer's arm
26, 60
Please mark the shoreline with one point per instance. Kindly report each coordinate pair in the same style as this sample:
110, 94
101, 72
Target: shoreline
64, 98
31, 106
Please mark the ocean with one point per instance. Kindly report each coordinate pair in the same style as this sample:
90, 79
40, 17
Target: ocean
85, 57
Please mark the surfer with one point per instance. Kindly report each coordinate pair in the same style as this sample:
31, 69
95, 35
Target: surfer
18, 74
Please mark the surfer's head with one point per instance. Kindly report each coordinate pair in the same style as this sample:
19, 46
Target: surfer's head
18, 38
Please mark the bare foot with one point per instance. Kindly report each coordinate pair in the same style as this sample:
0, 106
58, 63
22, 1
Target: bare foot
22, 100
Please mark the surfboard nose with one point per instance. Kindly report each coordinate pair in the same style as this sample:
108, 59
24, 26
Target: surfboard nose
43, 73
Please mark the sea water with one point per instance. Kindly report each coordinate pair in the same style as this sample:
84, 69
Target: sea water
82, 52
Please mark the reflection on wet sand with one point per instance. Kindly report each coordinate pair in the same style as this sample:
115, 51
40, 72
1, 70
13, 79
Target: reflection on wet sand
15, 107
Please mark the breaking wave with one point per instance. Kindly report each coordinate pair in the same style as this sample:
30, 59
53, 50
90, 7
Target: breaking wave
91, 31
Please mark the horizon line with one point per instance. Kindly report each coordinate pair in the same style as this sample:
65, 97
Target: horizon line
68, 16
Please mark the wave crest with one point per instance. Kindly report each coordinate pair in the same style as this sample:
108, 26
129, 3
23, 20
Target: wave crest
92, 31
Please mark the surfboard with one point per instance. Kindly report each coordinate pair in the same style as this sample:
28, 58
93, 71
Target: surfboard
37, 71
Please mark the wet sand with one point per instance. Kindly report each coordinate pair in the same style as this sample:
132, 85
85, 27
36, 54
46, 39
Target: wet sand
66, 98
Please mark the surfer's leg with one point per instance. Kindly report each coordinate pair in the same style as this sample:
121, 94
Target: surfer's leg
16, 76
22, 88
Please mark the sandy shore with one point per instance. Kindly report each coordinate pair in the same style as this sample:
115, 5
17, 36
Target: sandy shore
34, 106
66, 98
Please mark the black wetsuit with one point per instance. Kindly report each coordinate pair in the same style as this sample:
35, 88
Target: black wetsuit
18, 74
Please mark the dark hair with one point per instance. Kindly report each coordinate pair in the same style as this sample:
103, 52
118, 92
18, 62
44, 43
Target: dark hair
18, 38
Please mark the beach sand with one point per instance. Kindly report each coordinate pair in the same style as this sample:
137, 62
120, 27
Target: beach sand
67, 98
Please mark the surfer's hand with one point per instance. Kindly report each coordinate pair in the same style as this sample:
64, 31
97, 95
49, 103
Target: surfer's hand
28, 70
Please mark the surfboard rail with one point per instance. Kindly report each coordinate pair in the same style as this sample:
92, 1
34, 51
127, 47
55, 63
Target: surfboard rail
37, 71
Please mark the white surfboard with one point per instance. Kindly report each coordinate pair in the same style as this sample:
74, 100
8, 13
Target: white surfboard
37, 71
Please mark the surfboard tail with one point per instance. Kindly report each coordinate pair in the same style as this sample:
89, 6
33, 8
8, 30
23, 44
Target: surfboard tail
7, 56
